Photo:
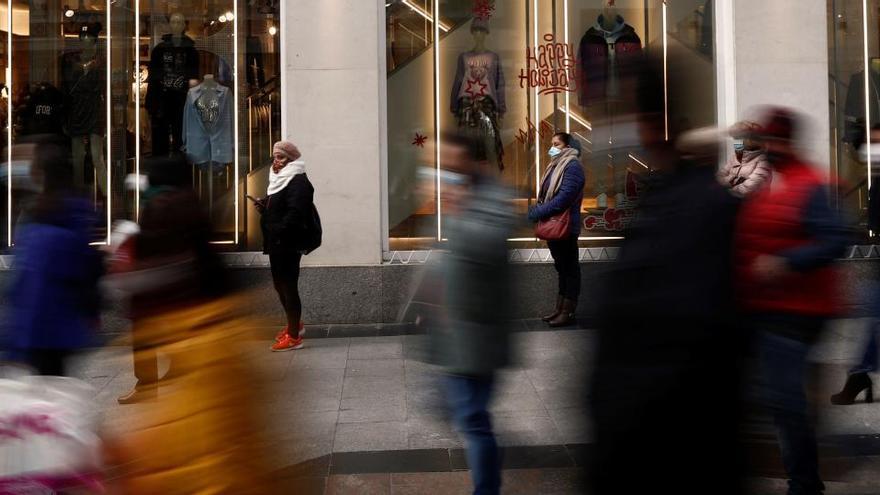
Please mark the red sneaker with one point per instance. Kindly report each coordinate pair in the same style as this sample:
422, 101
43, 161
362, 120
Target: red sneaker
284, 331
281, 334
288, 343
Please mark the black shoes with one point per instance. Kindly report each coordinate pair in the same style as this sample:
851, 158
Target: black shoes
566, 315
855, 384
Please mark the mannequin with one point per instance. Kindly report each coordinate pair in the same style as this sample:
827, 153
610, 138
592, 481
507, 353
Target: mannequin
855, 120
84, 101
478, 99
174, 68
609, 14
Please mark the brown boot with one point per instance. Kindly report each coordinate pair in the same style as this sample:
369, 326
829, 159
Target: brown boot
555, 312
566, 315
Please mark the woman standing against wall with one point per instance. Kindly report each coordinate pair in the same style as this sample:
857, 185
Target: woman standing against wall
562, 190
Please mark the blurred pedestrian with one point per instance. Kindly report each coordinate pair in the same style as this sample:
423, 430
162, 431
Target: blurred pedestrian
788, 239
562, 190
858, 378
472, 342
54, 295
291, 228
664, 393
747, 171
172, 264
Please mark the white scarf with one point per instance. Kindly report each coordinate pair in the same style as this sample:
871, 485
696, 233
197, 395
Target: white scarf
279, 181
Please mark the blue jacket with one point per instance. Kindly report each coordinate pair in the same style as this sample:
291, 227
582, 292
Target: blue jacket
570, 195
53, 296
208, 125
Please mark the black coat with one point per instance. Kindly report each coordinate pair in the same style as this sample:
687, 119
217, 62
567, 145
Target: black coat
290, 221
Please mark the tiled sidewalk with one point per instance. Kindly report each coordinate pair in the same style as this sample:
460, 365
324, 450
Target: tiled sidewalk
345, 398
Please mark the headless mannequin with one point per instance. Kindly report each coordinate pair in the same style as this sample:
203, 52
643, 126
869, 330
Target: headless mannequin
609, 16
95, 142
173, 69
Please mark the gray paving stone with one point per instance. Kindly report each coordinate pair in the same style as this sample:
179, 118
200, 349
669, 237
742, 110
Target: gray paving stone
356, 437
524, 428
377, 348
374, 367
573, 424
372, 409
373, 386
432, 433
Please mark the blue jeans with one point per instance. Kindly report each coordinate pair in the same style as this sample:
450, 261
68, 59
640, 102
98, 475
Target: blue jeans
783, 359
469, 401
868, 363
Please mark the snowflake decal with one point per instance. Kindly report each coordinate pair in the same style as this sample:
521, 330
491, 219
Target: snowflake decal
420, 140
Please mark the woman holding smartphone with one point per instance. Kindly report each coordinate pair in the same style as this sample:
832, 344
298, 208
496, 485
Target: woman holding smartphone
291, 228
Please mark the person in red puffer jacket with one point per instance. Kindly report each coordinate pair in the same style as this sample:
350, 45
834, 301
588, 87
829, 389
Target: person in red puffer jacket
787, 240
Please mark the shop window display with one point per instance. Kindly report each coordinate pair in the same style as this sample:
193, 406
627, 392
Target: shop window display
119, 82
511, 74
855, 106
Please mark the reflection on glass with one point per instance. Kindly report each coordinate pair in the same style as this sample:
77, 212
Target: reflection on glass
511, 74
855, 102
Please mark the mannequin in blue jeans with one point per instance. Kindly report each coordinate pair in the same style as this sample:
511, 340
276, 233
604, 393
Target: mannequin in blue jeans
858, 380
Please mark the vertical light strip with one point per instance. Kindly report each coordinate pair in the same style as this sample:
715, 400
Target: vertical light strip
137, 106
9, 123
867, 88
567, 93
665, 72
537, 111
436, 9
108, 198
235, 200
279, 41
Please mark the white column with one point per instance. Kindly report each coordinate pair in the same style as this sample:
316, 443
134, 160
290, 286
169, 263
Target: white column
333, 114
782, 59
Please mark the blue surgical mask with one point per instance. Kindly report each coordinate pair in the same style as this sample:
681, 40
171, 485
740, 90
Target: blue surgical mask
554, 151
739, 144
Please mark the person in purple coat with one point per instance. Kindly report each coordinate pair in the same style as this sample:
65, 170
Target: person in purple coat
54, 296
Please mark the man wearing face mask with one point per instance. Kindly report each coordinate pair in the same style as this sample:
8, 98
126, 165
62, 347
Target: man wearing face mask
747, 171
787, 241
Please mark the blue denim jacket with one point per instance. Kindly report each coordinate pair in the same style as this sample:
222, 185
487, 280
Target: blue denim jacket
208, 125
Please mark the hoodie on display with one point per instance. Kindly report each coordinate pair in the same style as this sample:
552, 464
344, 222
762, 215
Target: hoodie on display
602, 56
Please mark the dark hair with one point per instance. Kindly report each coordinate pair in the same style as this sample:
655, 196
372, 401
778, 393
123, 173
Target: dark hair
565, 137
471, 145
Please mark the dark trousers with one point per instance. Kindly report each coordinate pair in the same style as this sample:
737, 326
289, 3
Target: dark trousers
783, 348
167, 124
285, 277
49, 362
469, 400
566, 260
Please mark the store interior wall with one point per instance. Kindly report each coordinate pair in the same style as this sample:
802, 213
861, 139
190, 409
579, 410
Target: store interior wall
333, 105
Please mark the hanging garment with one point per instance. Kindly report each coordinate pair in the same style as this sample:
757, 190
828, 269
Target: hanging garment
479, 75
605, 57
208, 125
83, 85
855, 119
44, 111
172, 65
478, 118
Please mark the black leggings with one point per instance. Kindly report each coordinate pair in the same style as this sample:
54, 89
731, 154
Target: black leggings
566, 259
285, 276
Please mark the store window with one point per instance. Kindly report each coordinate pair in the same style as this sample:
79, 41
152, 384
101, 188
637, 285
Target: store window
118, 82
854, 61
511, 74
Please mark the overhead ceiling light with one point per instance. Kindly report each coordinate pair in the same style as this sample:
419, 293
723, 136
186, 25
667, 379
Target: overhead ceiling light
222, 18
230, 16
69, 13
273, 30
422, 12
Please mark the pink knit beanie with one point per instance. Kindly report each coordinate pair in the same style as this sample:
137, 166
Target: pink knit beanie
288, 149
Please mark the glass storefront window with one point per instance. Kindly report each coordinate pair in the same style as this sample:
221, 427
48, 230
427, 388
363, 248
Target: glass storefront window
118, 82
511, 74
854, 61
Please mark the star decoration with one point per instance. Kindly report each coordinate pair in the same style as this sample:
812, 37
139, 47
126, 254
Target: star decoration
420, 140
476, 88
484, 9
